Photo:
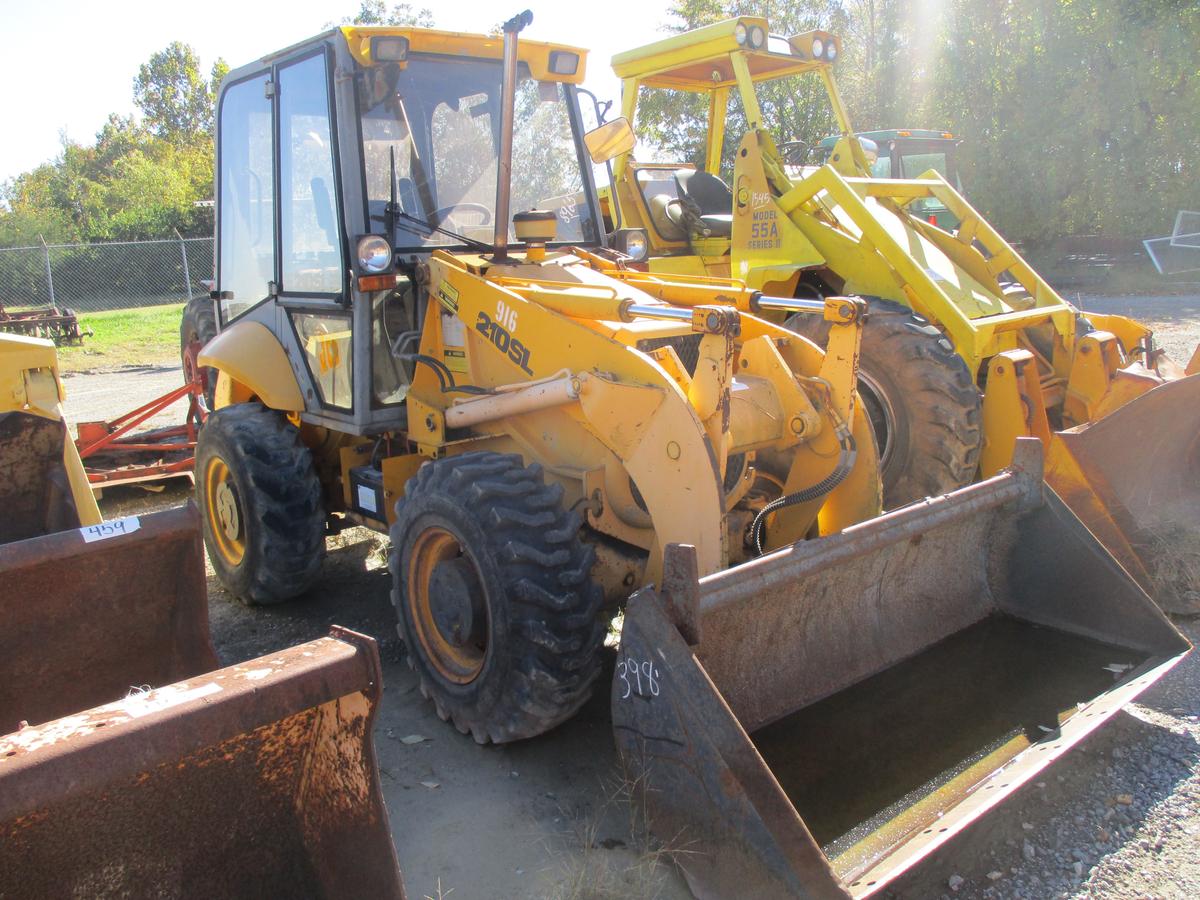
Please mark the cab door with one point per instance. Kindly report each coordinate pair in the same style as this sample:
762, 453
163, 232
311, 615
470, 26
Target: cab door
246, 259
312, 287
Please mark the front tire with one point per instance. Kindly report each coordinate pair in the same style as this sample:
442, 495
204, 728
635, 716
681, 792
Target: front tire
923, 404
260, 502
494, 596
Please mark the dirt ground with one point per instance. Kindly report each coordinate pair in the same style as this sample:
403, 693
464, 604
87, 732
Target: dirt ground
550, 817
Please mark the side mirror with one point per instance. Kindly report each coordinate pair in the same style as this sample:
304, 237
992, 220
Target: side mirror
610, 140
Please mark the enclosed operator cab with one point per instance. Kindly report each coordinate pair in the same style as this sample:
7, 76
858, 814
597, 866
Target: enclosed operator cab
420, 110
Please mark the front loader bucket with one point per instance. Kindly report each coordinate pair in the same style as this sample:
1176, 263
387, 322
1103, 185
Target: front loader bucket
35, 491
83, 621
1133, 477
258, 780
816, 722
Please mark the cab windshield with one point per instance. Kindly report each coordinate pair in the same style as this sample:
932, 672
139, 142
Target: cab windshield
431, 135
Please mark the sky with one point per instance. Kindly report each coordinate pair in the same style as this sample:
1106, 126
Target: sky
67, 65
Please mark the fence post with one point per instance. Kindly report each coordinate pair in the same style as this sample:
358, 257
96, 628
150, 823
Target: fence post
49, 275
187, 275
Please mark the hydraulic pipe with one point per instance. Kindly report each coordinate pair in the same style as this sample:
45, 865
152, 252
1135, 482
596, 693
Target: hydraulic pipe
648, 311
787, 304
508, 95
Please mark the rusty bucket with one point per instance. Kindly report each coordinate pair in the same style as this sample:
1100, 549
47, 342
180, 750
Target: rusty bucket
816, 722
91, 612
1133, 477
258, 780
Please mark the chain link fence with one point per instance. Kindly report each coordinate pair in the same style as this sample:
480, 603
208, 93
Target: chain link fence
96, 277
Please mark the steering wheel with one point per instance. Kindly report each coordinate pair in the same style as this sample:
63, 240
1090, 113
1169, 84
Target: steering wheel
793, 152
447, 212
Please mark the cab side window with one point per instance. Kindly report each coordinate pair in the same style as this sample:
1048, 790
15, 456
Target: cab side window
311, 245
246, 195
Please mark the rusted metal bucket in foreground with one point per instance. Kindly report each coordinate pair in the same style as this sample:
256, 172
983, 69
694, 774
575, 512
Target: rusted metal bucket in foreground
1133, 477
84, 621
816, 722
258, 780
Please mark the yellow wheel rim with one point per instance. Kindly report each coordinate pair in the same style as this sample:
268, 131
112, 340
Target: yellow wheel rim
223, 507
447, 606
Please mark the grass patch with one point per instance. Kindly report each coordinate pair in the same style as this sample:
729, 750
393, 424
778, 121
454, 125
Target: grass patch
635, 865
125, 337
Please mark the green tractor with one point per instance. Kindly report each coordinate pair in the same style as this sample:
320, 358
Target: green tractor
909, 153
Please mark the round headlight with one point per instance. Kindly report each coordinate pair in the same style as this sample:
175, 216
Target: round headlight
831, 51
758, 37
739, 33
374, 253
818, 48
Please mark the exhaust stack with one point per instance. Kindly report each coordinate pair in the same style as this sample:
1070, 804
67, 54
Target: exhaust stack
508, 94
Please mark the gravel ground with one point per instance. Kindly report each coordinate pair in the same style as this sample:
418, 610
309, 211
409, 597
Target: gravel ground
1116, 818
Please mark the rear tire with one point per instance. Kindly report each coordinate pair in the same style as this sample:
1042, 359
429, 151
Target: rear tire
493, 593
199, 326
260, 503
924, 406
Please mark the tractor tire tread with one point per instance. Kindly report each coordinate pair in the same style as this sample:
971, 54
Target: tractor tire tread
555, 631
286, 504
936, 395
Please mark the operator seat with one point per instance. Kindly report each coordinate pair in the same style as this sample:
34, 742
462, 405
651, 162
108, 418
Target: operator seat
707, 202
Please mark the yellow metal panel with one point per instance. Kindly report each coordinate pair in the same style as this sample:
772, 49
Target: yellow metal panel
19, 354
29, 383
535, 54
249, 354
718, 106
689, 60
767, 244
672, 464
678, 265
1128, 331
1013, 407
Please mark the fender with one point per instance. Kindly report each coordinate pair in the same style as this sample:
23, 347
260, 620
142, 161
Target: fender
252, 363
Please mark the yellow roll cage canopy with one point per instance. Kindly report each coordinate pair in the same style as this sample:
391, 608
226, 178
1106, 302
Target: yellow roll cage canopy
546, 62
735, 53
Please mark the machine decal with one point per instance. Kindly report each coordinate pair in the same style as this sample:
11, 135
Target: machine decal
504, 341
764, 231
447, 295
454, 343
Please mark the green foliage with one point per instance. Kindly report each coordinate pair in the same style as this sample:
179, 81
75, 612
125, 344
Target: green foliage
1085, 121
1076, 117
376, 12
176, 100
139, 179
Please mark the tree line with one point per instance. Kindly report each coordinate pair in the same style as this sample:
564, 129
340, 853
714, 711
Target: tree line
1076, 116
147, 176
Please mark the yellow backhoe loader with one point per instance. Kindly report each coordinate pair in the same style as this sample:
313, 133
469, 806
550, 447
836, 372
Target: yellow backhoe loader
967, 348
532, 424
543, 429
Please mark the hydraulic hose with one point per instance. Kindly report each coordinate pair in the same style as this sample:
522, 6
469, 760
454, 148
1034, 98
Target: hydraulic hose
845, 465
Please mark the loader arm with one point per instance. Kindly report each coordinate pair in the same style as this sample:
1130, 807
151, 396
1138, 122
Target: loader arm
638, 415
